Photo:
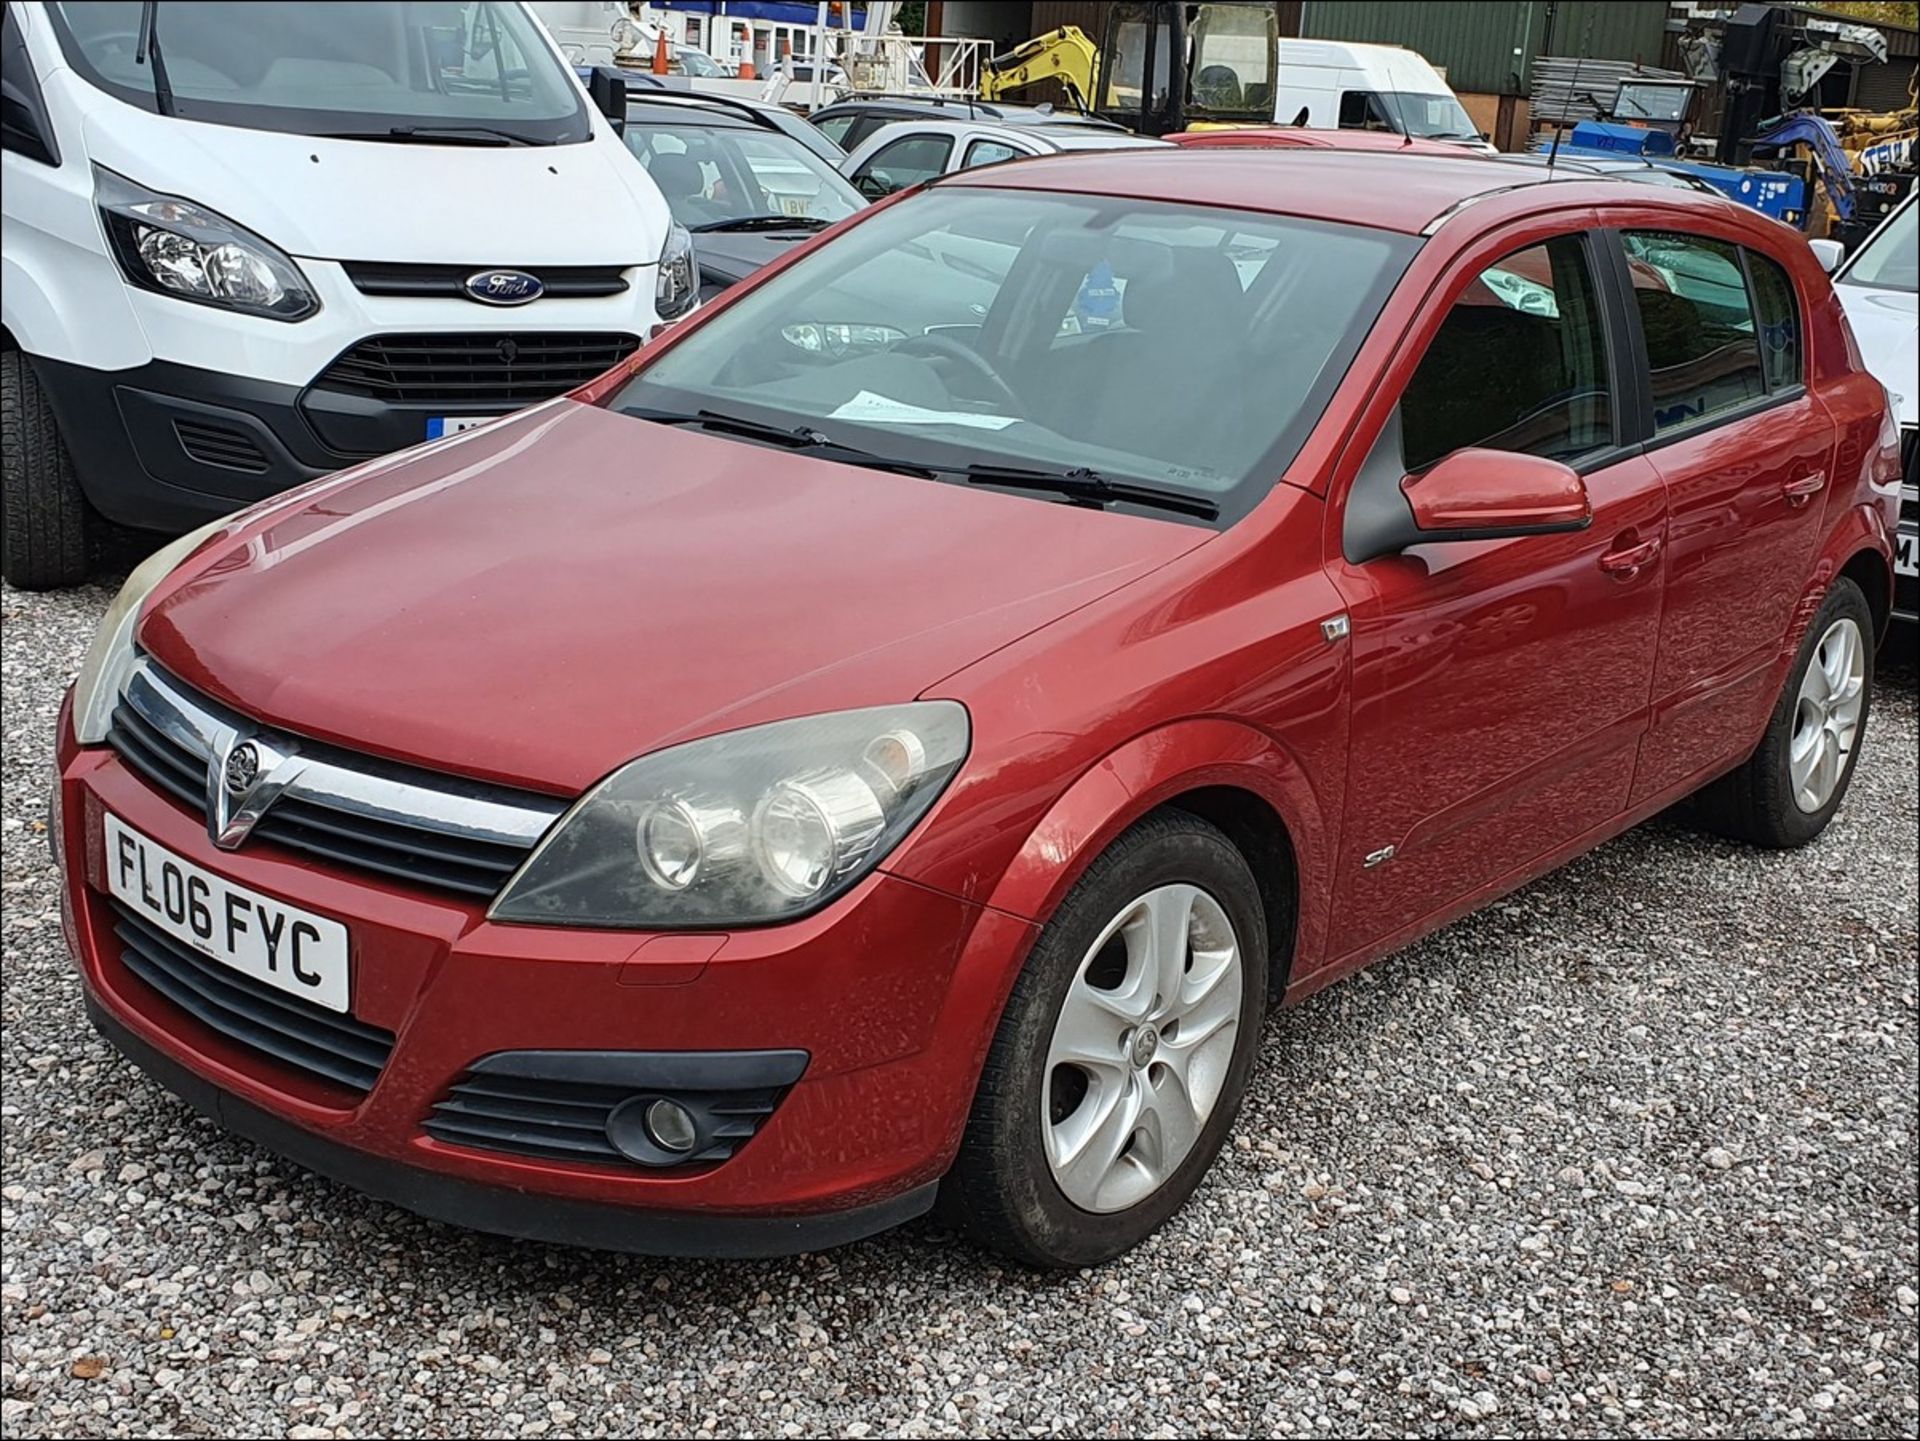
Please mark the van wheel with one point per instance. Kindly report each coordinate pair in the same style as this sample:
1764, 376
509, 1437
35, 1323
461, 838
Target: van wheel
1121, 1057
43, 515
1787, 791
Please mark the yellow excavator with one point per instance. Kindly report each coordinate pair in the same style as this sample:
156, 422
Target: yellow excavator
1211, 65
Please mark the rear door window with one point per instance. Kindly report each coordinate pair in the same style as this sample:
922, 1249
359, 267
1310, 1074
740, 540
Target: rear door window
1520, 363
1702, 349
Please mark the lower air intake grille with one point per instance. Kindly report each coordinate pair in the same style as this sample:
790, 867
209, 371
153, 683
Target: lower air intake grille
225, 446
320, 1042
591, 1106
475, 369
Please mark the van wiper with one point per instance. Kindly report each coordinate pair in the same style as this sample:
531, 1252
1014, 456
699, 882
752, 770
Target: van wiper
457, 134
763, 222
797, 437
1092, 488
148, 47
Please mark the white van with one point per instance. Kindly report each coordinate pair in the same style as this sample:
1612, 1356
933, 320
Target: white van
1334, 85
249, 243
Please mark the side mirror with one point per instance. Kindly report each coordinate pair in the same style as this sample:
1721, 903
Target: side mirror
1496, 494
607, 89
1829, 253
875, 184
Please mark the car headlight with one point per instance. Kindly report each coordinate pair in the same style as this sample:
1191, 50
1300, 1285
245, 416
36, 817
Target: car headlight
743, 828
677, 284
184, 250
96, 690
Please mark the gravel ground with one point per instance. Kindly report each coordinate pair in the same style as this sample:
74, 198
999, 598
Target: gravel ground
1634, 1152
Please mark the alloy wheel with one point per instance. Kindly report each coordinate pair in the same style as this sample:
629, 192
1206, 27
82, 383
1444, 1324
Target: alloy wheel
1141, 1048
1827, 718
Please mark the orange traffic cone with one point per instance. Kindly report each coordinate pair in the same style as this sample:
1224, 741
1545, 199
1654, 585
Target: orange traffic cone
786, 55
661, 55
746, 68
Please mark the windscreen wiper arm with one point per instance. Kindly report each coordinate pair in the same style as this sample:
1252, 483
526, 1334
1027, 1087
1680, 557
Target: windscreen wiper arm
459, 134
1091, 487
764, 222
148, 47
798, 437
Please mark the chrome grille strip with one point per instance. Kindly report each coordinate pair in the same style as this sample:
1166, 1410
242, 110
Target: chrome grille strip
342, 781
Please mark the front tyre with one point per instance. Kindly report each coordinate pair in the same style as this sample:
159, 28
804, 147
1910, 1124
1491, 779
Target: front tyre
1120, 1060
43, 515
1788, 790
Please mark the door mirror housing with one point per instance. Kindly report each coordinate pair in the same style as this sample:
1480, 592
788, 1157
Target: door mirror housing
1829, 253
1496, 494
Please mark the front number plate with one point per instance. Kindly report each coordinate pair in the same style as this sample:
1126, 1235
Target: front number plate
276, 944
439, 425
1906, 553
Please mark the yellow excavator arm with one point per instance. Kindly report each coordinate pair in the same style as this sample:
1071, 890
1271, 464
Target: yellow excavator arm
1065, 55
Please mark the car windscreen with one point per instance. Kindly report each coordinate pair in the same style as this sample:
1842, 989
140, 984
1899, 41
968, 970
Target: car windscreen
1183, 347
718, 176
1890, 260
427, 71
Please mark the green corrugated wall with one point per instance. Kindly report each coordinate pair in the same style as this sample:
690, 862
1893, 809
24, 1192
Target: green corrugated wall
1488, 45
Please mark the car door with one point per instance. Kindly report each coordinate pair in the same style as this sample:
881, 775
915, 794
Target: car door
1747, 455
1500, 687
902, 162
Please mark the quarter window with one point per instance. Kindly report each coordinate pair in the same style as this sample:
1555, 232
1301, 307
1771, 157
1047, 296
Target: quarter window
835, 128
1779, 321
988, 152
1702, 351
1520, 363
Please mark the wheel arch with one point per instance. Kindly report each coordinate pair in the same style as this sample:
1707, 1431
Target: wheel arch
1867, 568
1232, 775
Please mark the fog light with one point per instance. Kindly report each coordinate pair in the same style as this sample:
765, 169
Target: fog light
671, 1127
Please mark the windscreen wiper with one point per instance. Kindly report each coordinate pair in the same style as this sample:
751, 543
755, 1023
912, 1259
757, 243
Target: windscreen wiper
148, 47
797, 437
1092, 488
764, 222
458, 134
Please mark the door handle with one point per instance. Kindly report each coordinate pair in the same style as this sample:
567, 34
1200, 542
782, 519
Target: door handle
1627, 561
1799, 492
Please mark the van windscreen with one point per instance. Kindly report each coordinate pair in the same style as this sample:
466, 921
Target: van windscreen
425, 71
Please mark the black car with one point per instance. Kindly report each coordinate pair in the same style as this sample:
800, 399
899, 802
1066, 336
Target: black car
849, 122
733, 176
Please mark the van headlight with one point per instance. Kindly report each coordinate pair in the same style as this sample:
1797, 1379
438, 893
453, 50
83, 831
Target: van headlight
676, 285
743, 828
184, 250
96, 690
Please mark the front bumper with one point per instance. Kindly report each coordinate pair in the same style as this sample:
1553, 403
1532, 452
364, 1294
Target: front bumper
892, 992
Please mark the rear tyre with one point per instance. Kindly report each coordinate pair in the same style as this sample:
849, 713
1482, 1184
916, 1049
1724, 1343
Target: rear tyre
1120, 1060
1788, 790
43, 515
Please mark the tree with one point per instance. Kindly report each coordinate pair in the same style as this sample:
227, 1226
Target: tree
1889, 12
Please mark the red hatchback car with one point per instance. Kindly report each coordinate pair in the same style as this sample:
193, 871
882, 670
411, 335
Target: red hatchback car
888, 742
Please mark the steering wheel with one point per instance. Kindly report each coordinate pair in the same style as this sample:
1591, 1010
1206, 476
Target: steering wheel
946, 347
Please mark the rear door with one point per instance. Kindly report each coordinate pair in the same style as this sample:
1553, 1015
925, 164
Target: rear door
1500, 687
1747, 456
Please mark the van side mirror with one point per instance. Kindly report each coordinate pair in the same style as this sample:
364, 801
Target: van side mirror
1829, 253
1496, 494
607, 89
